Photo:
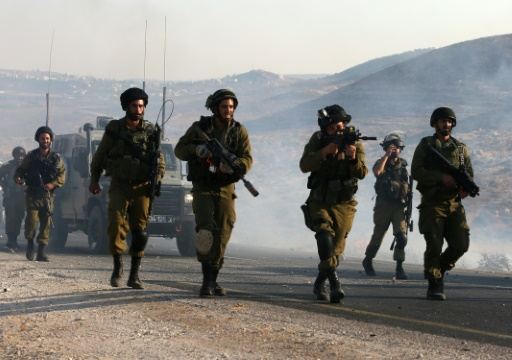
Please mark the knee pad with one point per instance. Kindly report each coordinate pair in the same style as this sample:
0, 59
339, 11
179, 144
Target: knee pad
139, 240
203, 241
401, 240
325, 245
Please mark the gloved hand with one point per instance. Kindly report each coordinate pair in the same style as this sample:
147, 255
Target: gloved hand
202, 151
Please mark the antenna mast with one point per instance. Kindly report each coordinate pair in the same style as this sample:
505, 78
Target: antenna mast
145, 49
49, 80
165, 88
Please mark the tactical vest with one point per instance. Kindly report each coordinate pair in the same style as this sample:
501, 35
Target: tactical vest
332, 183
453, 151
392, 184
199, 169
41, 170
129, 160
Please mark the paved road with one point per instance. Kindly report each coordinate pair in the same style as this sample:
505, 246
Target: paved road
479, 305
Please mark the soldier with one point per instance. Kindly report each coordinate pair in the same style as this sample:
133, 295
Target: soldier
13, 198
392, 186
441, 212
43, 171
213, 186
331, 206
126, 152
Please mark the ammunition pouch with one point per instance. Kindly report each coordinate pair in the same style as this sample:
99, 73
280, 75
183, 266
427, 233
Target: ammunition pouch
128, 169
199, 172
333, 190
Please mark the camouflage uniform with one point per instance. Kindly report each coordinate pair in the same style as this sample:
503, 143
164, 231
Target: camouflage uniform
331, 206
37, 170
442, 215
128, 207
214, 192
13, 202
391, 187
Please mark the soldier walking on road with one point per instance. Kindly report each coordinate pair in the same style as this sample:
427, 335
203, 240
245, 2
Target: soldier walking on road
43, 171
331, 206
392, 187
214, 184
442, 215
13, 198
126, 152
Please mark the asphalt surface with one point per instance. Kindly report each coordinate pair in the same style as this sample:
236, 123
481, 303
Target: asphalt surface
479, 304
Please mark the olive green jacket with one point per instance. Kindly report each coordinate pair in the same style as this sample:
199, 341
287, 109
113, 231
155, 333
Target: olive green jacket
117, 157
332, 180
37, 170
429, 174
236, 140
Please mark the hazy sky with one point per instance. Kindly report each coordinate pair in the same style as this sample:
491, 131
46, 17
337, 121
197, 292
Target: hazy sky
214, 38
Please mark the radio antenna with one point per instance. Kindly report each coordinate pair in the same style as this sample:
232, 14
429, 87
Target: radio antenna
49, 81
145, 52
164, 95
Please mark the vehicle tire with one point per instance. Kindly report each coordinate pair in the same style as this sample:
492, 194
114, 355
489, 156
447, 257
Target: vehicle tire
59, 232
185, 240
97, 231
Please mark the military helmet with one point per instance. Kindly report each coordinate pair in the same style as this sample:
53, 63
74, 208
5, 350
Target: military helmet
393, 138
41, 130
133, 94
18, 150
332, 114
213, 100
442, 113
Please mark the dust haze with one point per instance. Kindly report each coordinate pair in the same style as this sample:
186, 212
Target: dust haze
383, 95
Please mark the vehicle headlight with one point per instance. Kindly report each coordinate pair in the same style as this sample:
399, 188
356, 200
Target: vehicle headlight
188, 198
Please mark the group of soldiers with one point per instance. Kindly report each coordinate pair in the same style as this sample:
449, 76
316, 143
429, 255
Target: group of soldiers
334, 157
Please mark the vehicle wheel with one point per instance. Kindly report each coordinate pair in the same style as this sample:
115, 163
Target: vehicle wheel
97, 231
185, 240
59, 233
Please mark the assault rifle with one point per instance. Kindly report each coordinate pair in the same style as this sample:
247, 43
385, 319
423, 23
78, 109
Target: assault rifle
460, 174
347, 136
221, 154
408, 211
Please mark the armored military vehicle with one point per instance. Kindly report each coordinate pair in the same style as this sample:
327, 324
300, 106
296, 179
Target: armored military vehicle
77, 209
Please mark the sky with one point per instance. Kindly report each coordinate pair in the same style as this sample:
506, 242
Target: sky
214, 38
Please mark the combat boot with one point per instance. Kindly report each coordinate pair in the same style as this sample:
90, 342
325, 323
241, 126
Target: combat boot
368, 266
217, 289
319, 287
30, 250
208, 286
336, 292
41, 256
435, 289
115, 279
134, 281
400, 272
